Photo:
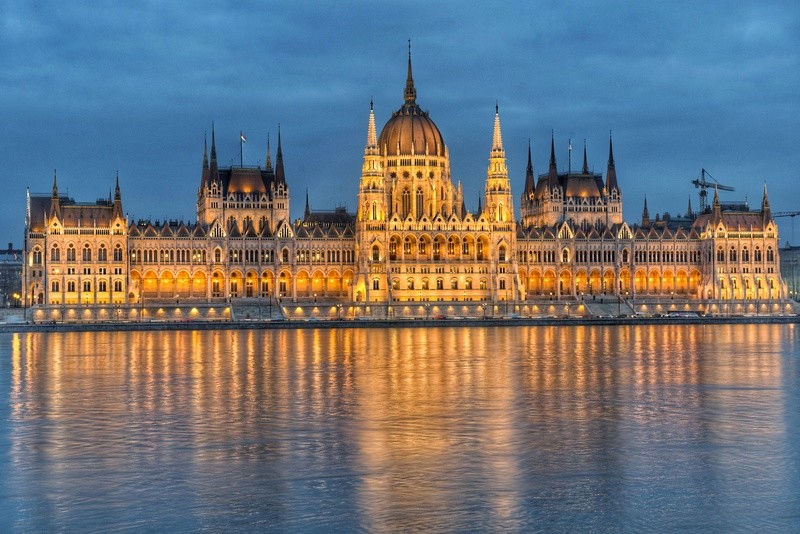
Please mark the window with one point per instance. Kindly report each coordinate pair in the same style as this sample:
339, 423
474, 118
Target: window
439, 283
217, 255
101, 286
118, 286
406, 208
87, 285
374, 211
55, 253
70, 252
410, 283
745, 254
468, 283
71, 286
87, 253
502, 283
757, 254
625, 256
502, 253
102, 254
770, 255
732, 254
396, 283
118, 253
483, 283
420, 204
565, 256
454, 283
407, 246
37, 256
285, 255
55, 286
376, 284
376, 253
720, 254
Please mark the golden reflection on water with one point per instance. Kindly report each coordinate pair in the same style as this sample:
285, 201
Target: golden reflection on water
421, 422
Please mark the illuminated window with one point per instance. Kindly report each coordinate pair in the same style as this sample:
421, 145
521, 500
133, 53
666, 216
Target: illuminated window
376, 284
55, 253
87, 253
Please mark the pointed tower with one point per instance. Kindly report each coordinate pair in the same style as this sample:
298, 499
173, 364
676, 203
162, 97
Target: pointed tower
280, 190
766, 212
498, 187
209, 195
645, 215
268, 160
117, 200
689, 211
716, 207
55, 201
307, 211
552, 172
585, 169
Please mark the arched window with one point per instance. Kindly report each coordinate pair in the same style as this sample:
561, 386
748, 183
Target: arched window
454, 283
420, 204
720, 254
393, 249
87, 253
468, 283
625, 256
55, 286
374, 211
483, 283
732, 255
407, 246
451, 247
410, 283
439, 283
770, 255
376, 253
102, 253
565, 256
37, 256
502, 253
757, 254
87, 285
406, 208
395, 283
55, 253
70, 252
118, 286
118, 253
217, 255
745, 254
376, 284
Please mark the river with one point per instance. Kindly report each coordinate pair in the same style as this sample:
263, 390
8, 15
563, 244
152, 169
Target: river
544, 428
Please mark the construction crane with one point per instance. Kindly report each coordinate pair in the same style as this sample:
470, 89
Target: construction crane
791, 214
703, 184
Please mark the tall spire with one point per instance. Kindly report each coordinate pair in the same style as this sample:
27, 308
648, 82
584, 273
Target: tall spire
690, 212
645, 215
497, 137
585, 162
716, 208
529, 181
268, 159
410, 93
204, 173
611, 173
55, 202
308, 209
117, 195
552, 178
372, 138
280, 177
766, 212
214, 169
117, 198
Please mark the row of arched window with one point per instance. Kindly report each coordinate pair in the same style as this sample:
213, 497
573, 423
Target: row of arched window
71, 253
733, 254
425, 284
71, 286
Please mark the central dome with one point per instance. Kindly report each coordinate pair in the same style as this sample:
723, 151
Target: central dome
410, 130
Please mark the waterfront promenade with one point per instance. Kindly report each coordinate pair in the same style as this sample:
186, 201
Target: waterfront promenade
257, 314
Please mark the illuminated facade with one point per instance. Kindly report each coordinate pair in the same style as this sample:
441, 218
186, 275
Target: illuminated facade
411, 238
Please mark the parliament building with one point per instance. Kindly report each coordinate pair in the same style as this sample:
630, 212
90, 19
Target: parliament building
410, 241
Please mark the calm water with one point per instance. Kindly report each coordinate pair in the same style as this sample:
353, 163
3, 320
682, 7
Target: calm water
444, 429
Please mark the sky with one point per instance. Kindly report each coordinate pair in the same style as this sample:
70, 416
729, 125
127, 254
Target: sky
98, 88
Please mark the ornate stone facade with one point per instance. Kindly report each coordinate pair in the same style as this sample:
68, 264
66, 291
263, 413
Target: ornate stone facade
411, 239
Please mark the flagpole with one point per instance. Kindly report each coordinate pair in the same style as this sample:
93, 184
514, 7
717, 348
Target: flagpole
241, 152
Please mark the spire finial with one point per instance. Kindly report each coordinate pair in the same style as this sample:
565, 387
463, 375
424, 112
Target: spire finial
497, 137
279, 172
585, 161
552, 148
55, 184
372, 138
410, 93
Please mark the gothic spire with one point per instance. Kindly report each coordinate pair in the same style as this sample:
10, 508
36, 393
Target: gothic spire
552, 178
55, 185
716, 207
372, 138
611, 172
268, 160
117, 194
529, 180
766, 212
204, 173
280, 177
645, 215
410, 93
117, 198
585, 162
690, 212
214, 169
308, 209
55, 202
497, 137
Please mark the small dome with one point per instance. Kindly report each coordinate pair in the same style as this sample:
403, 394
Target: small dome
410, 126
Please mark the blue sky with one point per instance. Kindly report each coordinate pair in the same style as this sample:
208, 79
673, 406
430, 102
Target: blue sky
94, 89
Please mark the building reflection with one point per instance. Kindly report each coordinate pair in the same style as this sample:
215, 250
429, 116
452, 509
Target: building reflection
409, 425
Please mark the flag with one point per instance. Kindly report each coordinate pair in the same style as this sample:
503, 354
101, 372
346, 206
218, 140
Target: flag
242, 137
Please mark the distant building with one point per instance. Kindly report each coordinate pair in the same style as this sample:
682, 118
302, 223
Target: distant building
10, 276
790, 270
411, 239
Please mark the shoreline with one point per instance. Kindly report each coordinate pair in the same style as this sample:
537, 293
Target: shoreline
387, 323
